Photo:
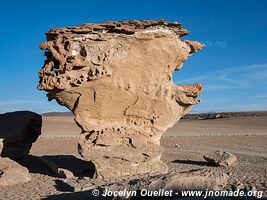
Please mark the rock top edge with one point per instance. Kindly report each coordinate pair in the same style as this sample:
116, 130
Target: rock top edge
120, 27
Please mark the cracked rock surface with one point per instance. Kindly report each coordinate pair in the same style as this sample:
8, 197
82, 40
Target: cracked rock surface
116, 77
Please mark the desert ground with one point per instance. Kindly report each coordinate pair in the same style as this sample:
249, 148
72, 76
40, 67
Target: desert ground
242, 135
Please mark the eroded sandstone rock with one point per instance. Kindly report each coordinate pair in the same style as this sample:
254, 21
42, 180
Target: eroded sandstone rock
116, 77
19, 130
12, 173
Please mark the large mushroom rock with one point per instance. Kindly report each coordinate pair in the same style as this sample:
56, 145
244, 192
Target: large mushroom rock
116, 77
19, 130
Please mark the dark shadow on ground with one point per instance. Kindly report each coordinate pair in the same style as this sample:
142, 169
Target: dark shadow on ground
193, 162
62, 186
78, 167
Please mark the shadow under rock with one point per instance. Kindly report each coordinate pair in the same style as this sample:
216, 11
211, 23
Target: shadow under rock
193, 162
79, 168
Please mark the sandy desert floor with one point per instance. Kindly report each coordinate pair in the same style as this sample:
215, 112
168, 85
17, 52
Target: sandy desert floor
246, 137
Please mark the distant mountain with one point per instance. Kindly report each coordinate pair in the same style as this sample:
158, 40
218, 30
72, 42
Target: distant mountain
58, 114
217, 115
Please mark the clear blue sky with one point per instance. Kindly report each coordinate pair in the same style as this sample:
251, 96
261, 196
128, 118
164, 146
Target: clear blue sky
233, 66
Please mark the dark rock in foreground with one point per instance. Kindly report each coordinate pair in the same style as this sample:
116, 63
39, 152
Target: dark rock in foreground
19, 131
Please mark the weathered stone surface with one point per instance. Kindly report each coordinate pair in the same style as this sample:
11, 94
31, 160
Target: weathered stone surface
116, 77
19, 131
12, 173
200, 179
221, 158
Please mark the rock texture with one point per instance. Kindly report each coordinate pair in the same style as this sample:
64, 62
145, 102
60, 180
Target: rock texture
19, 131
12, 173
199, 179
221, 158
116, 77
